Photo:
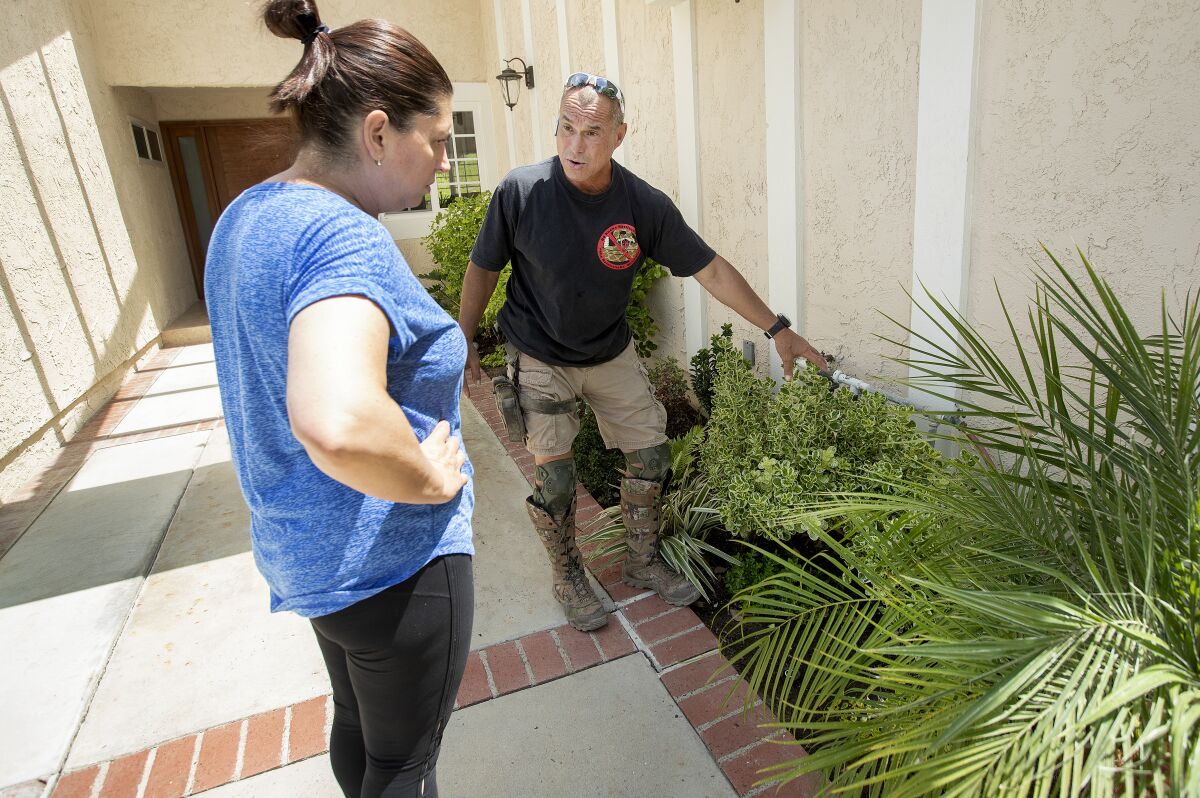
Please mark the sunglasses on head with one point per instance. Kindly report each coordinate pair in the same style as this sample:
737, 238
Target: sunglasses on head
602, 85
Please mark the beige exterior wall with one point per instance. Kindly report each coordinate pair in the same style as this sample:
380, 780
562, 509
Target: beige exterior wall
585, 32
733, 172
543, 18
1088, 134
223, 42
648, 82
92, 261
858, 77
186, 104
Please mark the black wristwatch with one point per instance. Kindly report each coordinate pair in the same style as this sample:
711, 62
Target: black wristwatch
781, 321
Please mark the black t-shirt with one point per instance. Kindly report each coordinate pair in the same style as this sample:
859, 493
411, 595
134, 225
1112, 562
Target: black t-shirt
574, 257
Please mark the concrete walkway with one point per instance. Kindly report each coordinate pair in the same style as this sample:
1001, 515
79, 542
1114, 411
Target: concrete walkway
140, 658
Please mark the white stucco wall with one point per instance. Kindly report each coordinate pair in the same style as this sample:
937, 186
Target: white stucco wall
92, 261
732, 131
223, 42
1089, 134
647, 80
858, 77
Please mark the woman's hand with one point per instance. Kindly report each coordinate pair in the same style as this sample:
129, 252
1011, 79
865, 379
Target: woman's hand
447, 457
340, 410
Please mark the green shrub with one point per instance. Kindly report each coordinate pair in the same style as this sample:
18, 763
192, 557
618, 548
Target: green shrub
1027, 625
671, 389
770, 453
449, 242
641, 323
752, 569
704, 369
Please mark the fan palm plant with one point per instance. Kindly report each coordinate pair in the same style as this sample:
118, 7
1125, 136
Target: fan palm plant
1027, 625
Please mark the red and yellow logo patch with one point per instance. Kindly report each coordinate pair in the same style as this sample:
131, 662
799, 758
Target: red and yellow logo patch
618, 248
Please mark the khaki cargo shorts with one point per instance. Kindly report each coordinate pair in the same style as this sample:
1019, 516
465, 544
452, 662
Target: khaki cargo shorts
618, 391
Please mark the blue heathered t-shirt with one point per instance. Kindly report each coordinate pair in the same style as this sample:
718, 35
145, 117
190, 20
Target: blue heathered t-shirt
321, 545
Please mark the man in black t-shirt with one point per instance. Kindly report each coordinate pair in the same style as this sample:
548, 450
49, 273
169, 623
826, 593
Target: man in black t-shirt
576, 228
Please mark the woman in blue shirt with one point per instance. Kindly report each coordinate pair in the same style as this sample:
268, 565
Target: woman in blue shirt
340, 379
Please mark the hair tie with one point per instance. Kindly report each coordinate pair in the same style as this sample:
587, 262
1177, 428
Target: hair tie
307, 40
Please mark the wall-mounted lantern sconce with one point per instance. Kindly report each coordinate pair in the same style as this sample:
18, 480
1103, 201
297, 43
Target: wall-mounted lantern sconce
508, 78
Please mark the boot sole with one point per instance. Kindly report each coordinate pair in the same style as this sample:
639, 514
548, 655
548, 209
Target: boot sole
589, 626
650, 586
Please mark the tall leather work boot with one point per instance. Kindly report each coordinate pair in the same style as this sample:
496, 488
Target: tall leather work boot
640, 499
583, 610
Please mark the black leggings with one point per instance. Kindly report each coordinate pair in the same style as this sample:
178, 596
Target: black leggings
395, 661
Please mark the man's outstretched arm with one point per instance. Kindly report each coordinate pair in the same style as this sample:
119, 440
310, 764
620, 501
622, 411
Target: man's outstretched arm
478, 286
728, 287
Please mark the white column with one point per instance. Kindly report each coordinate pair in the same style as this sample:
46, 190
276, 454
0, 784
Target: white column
539, 81
949, 46
502, 49
785, 224
687, 146
612, 58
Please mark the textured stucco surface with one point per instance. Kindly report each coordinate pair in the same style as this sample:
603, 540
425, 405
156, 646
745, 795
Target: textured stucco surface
1089, 134
585, 35
223, 43
92, 262
858, 78
492, 66
732, 131
544, 22
522, 112
177, 105
648, 81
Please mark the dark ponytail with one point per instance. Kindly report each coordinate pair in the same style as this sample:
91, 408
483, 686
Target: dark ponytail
346, 73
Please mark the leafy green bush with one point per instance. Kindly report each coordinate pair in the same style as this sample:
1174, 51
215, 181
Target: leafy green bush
671, 389
752, 569
641, 323
449, 242
771, 453
1030, 624
704, 369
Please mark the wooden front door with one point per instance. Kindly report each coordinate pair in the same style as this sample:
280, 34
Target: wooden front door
212, 162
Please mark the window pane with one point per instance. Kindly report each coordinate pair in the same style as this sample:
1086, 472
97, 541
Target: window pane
466, 147
155, 151
451, 148
464, 122
139, 141
190, 155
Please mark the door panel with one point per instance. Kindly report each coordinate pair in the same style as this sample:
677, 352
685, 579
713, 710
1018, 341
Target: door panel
212, 163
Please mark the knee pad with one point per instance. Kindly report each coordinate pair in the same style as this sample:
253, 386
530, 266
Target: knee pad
554, 486
653, 464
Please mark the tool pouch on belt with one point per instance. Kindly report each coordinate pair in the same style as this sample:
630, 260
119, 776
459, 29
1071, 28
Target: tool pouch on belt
509, 407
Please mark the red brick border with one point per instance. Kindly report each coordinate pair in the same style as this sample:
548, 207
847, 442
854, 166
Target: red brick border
243, 748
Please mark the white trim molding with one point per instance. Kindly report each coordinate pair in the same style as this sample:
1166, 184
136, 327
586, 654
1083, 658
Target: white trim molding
535, 94
941, 223
687, 148
502, 48
785, 206
612, 58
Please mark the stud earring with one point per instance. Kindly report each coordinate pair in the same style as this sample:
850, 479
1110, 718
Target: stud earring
378, 162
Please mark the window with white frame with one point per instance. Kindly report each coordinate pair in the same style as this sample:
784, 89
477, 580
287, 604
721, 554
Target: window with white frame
146, 142
472, 164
